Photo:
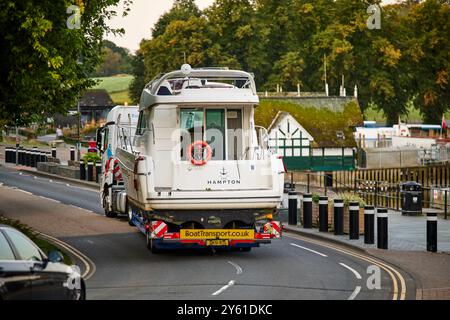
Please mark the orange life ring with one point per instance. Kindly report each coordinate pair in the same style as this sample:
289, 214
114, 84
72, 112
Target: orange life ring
200, 145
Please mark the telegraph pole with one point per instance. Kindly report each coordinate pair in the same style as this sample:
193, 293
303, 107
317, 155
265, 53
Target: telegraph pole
78, 131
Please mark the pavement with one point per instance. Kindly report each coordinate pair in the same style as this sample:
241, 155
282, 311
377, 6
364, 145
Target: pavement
406, 233
407, 250
290, 268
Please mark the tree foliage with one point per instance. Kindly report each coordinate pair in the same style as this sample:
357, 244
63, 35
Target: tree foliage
115, 60
44, 64
287, 43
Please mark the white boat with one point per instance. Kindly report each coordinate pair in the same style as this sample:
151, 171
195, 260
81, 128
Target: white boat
197, 157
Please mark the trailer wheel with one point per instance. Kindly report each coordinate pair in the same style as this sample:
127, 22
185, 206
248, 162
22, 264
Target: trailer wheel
129, 212
106, 200
151, 245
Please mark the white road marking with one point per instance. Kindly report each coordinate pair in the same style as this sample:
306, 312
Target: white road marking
396, 295
357, 275
238, 268
355, 293
310, 250
49, 199
23, 191
82, 209
67, 185
230, 284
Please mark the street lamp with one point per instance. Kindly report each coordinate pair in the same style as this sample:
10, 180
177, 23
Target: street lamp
78, 131
80, 63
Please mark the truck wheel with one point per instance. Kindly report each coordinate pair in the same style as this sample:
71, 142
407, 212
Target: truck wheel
151, 244
246, 249
129, 212
109, 214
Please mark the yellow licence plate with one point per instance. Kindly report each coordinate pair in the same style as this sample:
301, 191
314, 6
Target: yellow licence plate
217, 243
217, 234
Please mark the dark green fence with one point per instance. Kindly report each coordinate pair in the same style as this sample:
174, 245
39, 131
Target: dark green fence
320, 163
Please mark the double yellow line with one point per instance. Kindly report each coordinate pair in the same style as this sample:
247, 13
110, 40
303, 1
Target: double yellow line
398, 282
90, 267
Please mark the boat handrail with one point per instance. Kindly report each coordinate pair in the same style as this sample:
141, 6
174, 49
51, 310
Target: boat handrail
216, 74
126, 138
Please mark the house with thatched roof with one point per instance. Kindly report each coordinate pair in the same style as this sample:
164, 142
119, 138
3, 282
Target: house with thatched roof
315, 134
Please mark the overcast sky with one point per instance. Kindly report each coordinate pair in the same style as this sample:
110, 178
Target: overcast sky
143, 15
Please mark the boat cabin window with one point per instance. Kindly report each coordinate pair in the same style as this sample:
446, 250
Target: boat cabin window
220, 128
142, 124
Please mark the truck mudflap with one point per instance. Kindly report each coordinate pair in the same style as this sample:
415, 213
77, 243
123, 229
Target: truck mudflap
158, 232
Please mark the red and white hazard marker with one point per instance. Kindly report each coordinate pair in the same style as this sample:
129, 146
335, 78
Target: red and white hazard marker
159, 228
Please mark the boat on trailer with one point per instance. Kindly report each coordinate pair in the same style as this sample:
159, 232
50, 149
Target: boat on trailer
198, 162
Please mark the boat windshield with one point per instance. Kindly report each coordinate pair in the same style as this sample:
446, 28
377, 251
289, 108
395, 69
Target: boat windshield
220, 128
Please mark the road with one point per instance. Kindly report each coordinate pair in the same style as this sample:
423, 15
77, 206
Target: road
291, 268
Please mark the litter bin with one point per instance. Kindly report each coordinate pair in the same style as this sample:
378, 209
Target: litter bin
411, 198
289, 187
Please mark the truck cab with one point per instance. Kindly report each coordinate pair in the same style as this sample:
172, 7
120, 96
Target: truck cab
118, 130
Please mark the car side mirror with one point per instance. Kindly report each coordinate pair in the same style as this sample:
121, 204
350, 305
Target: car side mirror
55, 257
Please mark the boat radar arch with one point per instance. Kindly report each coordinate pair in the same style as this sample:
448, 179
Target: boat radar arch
200, 86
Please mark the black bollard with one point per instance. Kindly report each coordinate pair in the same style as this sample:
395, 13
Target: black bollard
34, 155
72, 153
382, 228
21, 153
369, 225
90, 171
41, 156
293, 208
53, 152
338, 217
82, 171
307, 211
13, 154
28, 158
354, 220
10, 156
7, 155
432, 232
98, 171
323, 214
31, 158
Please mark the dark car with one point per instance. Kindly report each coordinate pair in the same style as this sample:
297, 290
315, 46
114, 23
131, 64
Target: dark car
26, 273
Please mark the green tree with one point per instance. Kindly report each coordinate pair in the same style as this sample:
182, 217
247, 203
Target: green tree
430, 52
112, 64
182, 39
115, 60
181, 10
288, 71
138, 71
40, 69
